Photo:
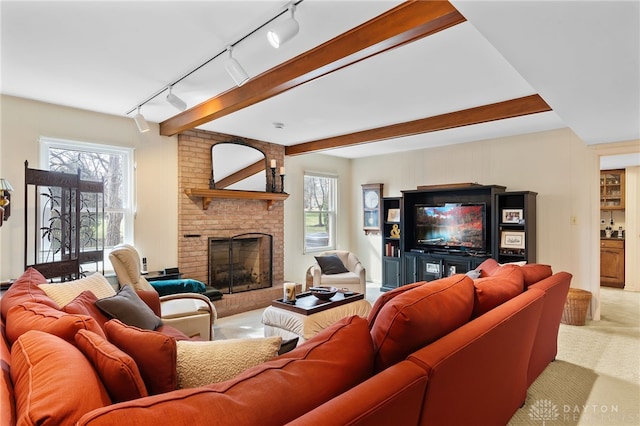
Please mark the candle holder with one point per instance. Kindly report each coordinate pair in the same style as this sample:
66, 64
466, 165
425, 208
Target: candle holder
282, 183
273, 179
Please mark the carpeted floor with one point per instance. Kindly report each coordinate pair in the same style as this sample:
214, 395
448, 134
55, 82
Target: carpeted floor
595, 379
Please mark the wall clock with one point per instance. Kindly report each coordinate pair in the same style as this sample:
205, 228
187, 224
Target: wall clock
372, 212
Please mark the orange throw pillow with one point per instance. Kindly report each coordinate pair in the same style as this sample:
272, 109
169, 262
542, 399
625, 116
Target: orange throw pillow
25, 289
117, 370
54, 383
534, 272
420, 316
488, 267
273, 393
153, 352
386, 297
505, 283
36, 316
85, 304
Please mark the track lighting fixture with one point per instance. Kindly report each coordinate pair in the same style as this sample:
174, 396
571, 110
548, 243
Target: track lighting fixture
277, 36
142, 124
235, 70
176, 101
285, 31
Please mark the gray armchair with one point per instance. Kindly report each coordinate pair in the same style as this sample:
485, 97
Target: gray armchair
354, 279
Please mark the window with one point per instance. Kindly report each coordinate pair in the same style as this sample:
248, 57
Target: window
99, 162
319, 212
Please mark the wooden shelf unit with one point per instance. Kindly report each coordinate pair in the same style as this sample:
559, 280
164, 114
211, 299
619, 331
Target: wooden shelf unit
523, 202
612, 263
391, 252
208, 195
612, 189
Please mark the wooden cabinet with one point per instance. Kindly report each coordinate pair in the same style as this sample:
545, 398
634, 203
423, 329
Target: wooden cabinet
392, 233
430, 266
612, 263
612, 190
515, 239
508, 229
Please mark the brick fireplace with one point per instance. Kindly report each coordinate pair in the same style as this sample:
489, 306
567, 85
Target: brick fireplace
240, 263
224, 218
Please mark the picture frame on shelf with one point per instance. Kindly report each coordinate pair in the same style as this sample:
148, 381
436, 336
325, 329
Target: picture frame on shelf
513, 216
393, 215
512, 240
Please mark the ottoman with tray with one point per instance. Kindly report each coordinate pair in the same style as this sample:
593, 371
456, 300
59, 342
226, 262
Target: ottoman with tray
309, 315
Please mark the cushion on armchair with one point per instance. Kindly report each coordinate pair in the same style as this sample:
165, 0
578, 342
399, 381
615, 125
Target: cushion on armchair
331, 264
165, 287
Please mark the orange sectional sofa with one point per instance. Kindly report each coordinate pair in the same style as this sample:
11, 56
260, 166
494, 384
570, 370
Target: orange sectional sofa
452, 351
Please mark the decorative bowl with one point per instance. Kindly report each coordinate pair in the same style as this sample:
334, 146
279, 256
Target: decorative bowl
323, 292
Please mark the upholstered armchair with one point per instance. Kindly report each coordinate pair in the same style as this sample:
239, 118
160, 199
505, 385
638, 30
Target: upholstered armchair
352, 277
191, 313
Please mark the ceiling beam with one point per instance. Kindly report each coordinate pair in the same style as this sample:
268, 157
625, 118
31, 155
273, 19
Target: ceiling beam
531, 104
403, 24
236, 177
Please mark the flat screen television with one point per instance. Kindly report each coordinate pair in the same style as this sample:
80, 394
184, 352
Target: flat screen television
451, 226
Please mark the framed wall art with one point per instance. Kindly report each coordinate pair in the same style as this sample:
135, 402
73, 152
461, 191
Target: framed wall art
512, 216
512, 240
393, 215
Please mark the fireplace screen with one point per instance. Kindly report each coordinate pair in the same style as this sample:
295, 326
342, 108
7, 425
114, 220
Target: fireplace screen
241, 263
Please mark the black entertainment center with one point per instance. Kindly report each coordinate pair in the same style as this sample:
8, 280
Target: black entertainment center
452, 229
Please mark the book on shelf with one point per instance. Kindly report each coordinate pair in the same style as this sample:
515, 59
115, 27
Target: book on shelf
391, 250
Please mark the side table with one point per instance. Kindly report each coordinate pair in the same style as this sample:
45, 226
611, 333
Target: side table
162, 275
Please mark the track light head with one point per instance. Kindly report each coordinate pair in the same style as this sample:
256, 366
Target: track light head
142, 124
235, 70
285, 31
176, 101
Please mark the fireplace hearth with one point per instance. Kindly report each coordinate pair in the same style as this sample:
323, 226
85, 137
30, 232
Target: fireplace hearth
241, 263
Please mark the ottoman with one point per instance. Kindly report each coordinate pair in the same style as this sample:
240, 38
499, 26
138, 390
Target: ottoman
289, 325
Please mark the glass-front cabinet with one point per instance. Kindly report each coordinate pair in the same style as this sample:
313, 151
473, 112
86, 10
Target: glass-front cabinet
612, 190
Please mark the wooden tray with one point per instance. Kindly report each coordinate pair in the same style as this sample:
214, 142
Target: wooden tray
307, 304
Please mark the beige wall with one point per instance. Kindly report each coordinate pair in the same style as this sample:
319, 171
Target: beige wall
296, 261
24, 122
559, 169
556, 164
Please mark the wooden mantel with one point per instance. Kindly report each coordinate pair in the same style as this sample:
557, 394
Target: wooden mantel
209, 194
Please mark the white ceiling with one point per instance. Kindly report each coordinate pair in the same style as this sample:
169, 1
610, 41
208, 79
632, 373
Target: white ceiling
582, 57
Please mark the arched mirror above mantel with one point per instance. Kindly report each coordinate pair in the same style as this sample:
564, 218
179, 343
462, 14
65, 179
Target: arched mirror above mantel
238, 171
238, 166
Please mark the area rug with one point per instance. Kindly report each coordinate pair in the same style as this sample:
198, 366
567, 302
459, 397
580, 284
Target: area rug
595, 379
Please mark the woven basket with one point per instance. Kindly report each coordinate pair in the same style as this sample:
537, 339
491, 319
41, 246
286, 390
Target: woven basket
575, 307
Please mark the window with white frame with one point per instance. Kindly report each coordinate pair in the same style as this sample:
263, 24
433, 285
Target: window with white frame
320, 194
111, 164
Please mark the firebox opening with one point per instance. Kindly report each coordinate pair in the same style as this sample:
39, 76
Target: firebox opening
241, 263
